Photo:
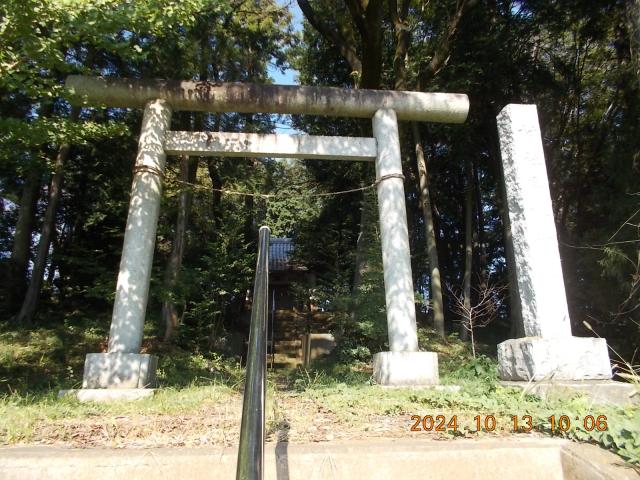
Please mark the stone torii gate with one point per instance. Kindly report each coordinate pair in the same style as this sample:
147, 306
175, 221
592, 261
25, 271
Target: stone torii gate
549, 347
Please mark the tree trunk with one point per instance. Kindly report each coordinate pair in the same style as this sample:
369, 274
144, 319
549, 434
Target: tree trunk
216, 195
468, 240
425, 202
633, 22
21, 250
398, 13
371, 35
250, 229
367, 218
188, 170
473, 340
55, 250
360, 260
30, 303
481, 250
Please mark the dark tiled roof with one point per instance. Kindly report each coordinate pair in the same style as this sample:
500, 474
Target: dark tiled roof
280, 253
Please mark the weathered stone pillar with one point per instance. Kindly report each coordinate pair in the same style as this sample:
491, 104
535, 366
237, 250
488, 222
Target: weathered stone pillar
396, 260
123, 366
404, 364
548, 351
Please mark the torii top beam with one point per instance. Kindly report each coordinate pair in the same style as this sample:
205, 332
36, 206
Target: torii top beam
252, 98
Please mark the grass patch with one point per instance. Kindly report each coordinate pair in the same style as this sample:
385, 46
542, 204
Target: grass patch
25, 419
36, 364
33, 362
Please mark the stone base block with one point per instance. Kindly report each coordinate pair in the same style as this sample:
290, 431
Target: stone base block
425, 388
599, 391
406, 368
561, 358
119, 370
108, 394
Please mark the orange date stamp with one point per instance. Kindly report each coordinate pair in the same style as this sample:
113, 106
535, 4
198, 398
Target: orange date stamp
430, 423
515, 423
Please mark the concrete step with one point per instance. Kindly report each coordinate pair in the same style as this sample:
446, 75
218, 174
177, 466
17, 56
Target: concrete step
285, 365
287, 354
288, 360
288, 343
514, 457
291, 355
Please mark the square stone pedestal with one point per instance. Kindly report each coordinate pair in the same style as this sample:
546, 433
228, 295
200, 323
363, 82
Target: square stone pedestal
598, 391
119, 370
558, 358
406, 368
107, 395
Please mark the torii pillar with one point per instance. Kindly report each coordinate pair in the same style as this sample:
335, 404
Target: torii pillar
403, 364
123, 366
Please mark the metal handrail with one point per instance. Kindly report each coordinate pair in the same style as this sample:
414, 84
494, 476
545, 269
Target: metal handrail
251, 446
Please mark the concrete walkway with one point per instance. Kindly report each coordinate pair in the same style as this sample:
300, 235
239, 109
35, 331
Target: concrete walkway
519, 458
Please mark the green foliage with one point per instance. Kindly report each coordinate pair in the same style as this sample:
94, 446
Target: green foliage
305, 379
34, 362
18, 134
180, 368
219, 263
480, 368
360, 315
293, 204
45, 41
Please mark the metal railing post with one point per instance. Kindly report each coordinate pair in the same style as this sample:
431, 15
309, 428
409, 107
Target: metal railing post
251, 446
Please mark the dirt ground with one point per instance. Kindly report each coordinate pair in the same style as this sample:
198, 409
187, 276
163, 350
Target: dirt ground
291, 417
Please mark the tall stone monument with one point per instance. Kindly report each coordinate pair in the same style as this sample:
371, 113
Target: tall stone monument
548, 351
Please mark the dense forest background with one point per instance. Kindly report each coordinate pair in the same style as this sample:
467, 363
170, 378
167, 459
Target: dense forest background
65, 172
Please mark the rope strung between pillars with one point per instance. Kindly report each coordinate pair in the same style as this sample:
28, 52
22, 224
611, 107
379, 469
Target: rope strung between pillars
267, 196
148, 169
388, 176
